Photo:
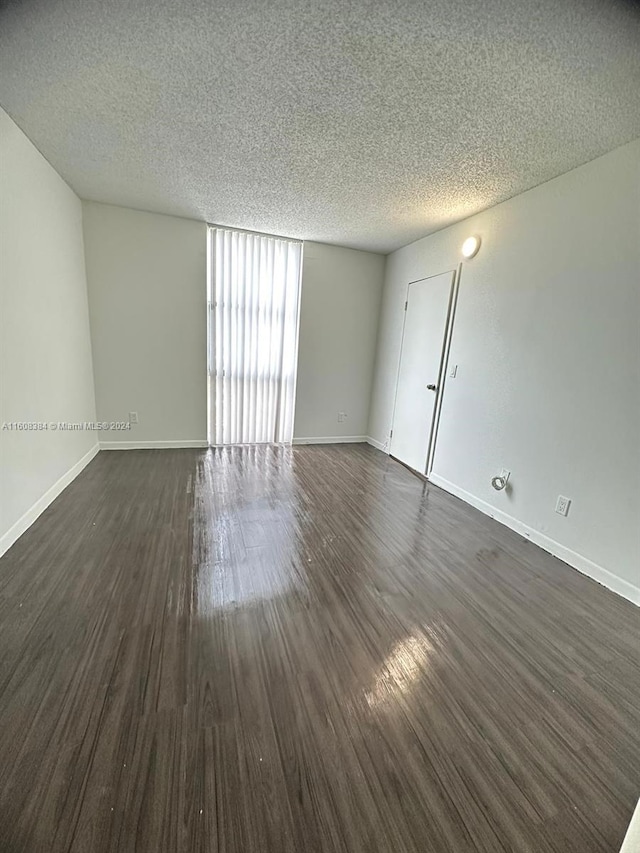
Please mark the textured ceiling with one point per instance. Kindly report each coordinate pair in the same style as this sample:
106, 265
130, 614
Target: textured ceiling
368, 124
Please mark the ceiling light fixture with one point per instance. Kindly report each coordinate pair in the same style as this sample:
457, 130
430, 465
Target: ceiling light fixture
470, 247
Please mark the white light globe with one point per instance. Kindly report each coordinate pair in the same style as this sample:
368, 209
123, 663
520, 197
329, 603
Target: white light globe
470, 247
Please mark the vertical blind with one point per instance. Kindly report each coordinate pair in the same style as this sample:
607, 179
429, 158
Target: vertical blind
254, 288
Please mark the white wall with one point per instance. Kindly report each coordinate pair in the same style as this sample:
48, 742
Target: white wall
147, 301
341, 291
45, 350
547, 340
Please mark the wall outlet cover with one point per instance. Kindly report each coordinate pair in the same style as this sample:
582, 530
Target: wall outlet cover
562, 505
133, 417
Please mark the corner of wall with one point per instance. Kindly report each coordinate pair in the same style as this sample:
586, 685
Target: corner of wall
26, 520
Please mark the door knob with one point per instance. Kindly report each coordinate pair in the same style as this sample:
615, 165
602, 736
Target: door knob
432, 387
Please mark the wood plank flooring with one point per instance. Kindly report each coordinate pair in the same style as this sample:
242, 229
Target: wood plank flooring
276, 650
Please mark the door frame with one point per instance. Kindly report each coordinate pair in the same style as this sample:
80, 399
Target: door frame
442, 371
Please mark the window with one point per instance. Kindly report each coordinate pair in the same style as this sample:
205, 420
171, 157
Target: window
254, 297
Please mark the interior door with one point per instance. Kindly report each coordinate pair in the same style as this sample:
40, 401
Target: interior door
419, 374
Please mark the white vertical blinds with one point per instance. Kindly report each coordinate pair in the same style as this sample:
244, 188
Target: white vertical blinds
254, 288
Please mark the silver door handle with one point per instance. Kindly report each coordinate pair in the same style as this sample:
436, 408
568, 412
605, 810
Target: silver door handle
432, 387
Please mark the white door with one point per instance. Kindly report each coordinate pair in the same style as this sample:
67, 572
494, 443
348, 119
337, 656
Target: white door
426, 313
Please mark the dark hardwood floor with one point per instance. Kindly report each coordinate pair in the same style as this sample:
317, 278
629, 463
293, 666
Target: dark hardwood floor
270, 650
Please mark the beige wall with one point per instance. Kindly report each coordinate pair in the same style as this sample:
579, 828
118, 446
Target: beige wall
547, 343
341, 291
147, 300
147, 296
45, 349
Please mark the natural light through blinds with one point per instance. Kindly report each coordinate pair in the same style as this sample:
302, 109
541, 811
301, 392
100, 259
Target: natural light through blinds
254, 287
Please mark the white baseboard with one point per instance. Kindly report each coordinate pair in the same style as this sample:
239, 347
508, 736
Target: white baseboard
26, 520
153, 445
377, 444
631, 843
575, 560
332, 439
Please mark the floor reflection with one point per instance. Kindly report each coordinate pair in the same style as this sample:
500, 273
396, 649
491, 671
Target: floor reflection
409, 659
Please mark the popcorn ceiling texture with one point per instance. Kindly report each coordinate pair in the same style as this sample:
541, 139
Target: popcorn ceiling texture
367, 124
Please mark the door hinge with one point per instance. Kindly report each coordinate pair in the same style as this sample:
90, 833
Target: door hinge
391, 434
406, 305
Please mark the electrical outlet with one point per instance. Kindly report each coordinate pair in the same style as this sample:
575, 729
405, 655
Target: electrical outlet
342, 416
562, 505
453, 372
133, 417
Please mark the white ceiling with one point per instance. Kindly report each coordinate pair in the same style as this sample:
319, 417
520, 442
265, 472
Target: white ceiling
359, 122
